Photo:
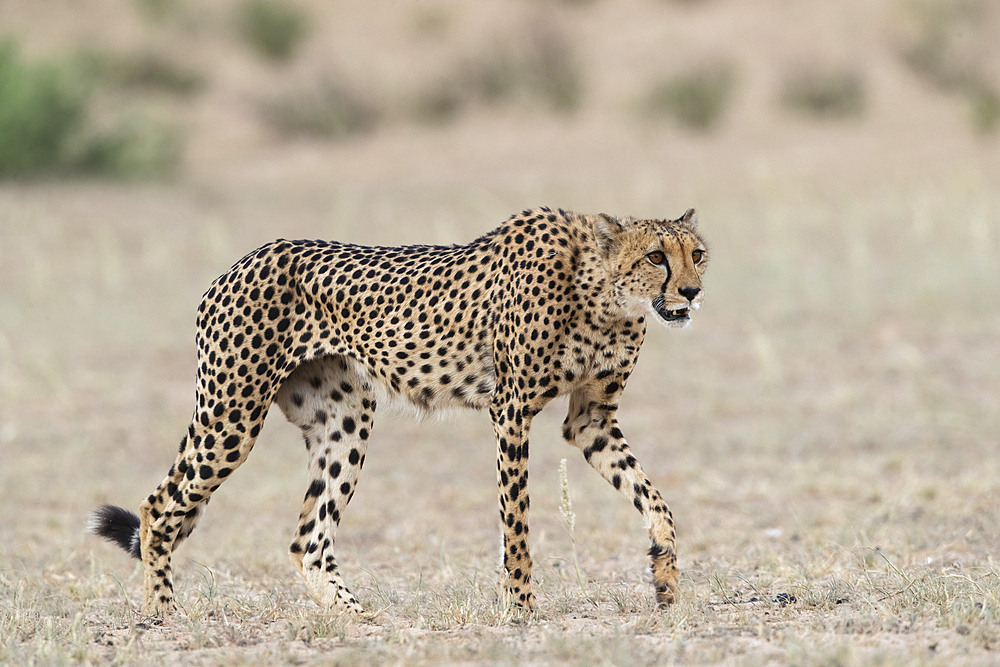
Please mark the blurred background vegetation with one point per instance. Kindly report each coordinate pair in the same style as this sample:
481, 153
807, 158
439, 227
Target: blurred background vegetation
109, 88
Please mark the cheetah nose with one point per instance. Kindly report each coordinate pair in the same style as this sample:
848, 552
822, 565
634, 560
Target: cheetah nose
689, 293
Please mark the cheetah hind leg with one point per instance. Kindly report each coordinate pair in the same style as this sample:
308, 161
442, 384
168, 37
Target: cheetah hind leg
334, 406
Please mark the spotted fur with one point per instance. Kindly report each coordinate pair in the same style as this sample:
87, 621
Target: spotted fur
551, 303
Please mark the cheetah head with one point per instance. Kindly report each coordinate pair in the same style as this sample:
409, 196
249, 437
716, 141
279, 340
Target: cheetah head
653, 266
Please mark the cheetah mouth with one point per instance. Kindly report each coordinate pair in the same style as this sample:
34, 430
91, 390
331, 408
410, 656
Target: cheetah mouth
674, 315
678, 315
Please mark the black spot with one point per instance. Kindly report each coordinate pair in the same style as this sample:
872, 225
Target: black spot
349, 426
598, 445
335, 469
206, 472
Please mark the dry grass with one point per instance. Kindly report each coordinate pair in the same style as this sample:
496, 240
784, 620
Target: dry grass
825, 432
815, 443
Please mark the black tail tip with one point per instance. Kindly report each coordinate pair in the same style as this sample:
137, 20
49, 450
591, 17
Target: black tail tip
118, 525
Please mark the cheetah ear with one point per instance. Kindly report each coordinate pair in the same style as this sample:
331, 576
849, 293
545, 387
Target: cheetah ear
690, 218
607, 230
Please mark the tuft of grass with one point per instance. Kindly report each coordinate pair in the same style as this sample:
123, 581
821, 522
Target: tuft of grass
826, 93
985, 108
144, 71
697, 99
947, 51
492, 77
438, 104
939, 51
430, 22
328, 109
273, 28
552, 71
159, 10
539, 68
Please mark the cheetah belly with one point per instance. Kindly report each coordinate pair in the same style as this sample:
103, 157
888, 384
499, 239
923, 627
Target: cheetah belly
432, 382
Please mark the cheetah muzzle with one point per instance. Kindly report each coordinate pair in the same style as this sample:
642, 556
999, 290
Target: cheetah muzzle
549, 304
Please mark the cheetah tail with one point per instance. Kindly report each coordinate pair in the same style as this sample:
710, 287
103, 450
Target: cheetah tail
116, 525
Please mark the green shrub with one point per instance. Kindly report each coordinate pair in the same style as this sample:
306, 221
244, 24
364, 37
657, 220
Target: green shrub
697, 99
133, 150
43, 128
538, 68
39, 112
825, 93
272, 27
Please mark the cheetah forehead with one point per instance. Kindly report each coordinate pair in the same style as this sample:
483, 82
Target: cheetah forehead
668, 235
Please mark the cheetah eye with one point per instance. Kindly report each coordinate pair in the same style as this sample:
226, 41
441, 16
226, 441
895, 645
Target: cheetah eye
656, 257
697, 256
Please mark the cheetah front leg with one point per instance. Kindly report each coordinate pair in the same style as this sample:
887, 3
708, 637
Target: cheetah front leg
591, 425
334, 406
511, 425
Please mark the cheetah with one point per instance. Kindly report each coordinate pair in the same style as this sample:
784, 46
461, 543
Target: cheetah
551, 303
